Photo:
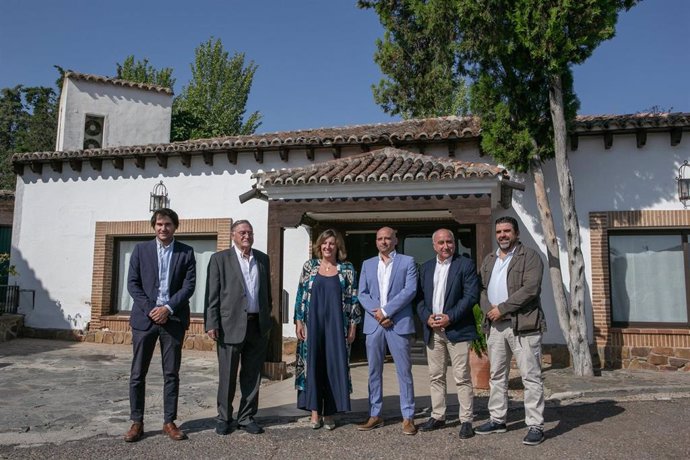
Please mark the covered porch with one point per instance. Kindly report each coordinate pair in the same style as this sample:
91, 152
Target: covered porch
360, 193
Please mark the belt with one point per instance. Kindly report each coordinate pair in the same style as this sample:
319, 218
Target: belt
252, 316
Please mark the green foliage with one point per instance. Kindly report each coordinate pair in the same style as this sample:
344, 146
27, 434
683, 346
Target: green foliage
28, 123
479, 345
418, 54
214, 102
143, 72
5, 267
517, 48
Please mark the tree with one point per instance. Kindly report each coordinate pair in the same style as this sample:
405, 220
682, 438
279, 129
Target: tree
520, 53
143, 72
214, 102
418, 54
28, 123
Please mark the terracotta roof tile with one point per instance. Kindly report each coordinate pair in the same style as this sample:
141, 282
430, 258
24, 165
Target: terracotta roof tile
117, 82
406, 131
384, 165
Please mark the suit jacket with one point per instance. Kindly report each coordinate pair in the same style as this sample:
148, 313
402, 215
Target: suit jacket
225, 306
462, 293
523, 306
402, 289
143, 283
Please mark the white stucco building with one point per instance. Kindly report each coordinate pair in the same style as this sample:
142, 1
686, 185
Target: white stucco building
78, 214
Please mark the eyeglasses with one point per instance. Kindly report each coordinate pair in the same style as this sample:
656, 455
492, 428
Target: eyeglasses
245, 233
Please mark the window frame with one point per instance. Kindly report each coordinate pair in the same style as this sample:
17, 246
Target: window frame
684, 234
142, 239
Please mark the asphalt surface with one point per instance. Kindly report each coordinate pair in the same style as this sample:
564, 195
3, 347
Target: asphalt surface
69, 400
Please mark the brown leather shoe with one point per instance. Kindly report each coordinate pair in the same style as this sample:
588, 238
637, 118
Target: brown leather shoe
373, 422
408, 426
136, 431
174, 432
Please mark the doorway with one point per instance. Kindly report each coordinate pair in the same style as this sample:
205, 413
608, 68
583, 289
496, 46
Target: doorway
414, 239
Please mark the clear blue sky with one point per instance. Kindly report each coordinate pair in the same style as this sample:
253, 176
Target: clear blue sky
315, 57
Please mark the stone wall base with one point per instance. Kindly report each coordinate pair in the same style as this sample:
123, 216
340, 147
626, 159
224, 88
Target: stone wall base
649, 358
10, 326
72, 335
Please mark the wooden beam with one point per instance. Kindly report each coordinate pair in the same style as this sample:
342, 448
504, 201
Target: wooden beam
574, 141
56, 165
140, 161
96, 163
310, 153
18, 169
36, 167
75, 164
676, 135
336, 152
162, 160
421, 148
641, 136
364, 147
259, 155
119, 163
451, 149
186, 159
608, 140
232, 157
284, 153
208, 157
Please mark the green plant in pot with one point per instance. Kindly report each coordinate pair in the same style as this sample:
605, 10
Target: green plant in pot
479, 345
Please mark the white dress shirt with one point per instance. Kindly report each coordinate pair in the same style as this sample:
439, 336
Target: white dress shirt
384, 272
497, 291
440, 281
250, 274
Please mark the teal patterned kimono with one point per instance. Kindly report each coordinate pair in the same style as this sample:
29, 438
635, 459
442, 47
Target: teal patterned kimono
352, 312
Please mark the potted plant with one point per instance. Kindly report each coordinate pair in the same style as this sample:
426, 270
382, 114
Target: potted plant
479, 359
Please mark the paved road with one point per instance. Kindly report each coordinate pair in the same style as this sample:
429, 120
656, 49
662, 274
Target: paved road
69, 400
631, 429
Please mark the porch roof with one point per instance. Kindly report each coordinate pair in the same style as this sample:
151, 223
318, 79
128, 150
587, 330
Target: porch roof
385, 172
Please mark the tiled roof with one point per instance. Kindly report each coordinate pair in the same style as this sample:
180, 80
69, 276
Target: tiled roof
395, 133
385, 165
117, 82
586, 123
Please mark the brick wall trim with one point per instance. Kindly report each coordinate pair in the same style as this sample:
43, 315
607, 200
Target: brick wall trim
104, 247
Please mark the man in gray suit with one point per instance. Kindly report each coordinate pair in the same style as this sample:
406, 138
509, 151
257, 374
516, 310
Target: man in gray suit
238, 316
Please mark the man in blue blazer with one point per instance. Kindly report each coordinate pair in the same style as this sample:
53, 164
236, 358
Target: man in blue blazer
387, 288
161, 280
448, 290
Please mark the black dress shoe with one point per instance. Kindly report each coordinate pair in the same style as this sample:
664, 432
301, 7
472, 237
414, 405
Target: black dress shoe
466, 430
251, 428
432, 424
223, 427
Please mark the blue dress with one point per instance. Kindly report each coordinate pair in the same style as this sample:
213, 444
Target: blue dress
327, 388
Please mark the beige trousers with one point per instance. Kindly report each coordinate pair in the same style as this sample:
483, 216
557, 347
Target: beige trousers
437, 351
502, 344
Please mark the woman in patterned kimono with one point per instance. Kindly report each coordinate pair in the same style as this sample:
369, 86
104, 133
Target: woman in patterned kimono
326, 318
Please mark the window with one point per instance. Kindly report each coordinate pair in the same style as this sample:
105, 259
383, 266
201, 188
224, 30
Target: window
649, 278
203, 249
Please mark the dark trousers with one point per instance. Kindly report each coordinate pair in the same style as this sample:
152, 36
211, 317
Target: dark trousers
170, 336
249, 357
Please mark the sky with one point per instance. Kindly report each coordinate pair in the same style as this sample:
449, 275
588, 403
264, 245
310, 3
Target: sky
314, 57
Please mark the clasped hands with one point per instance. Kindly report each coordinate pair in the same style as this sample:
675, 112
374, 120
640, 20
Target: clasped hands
384, 321
159, 314
438, 321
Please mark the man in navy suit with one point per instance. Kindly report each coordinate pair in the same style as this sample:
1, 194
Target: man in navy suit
387, 288
448, 290
161, 280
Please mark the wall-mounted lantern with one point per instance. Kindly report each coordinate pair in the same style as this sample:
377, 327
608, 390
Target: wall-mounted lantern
684, 183
159, 197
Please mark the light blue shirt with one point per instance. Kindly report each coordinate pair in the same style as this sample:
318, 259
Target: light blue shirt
497, 291
250, 274
164, 258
